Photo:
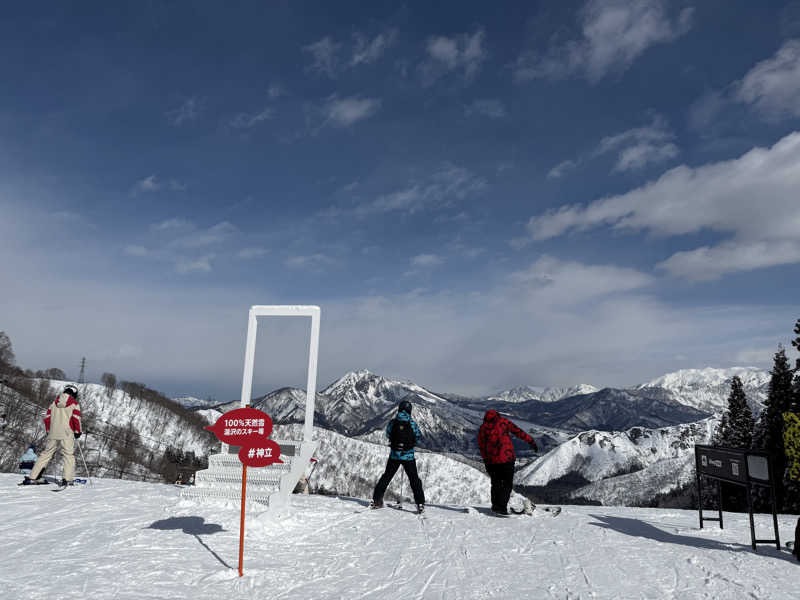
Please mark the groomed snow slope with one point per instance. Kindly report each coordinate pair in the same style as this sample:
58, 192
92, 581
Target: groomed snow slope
131, 540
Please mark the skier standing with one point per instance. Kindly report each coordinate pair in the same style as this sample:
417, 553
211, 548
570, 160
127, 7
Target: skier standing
498, 455
63, 425
403, 434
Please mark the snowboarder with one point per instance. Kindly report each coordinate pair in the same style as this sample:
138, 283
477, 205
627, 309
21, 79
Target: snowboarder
498, 455
27, 460
403, 434
63, 425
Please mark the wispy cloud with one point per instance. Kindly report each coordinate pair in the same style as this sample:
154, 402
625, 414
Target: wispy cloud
330, 57
152, 183
367, 51
427, 260
175, 224
311, 261
614, 34
250, 120
772, 87
188, 111
641, 146
462, 53
323, 54
442, 188
492, 108
718, 197
344, 112
552, 281
252, 253
200, 238
561, 168
197, 265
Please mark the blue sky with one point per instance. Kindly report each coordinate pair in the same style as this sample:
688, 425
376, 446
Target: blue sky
594, 192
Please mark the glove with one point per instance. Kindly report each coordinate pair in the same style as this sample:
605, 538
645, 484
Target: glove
77, 434
534, 446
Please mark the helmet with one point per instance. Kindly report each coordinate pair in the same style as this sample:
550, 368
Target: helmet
405, 406
71, 389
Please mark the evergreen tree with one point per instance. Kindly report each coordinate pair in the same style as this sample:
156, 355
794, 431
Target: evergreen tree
768, 436
739, 430
796, 396
721, 433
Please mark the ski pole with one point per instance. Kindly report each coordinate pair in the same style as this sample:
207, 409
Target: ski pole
84, 464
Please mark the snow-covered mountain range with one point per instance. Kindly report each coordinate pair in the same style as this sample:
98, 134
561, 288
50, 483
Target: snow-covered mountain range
542, 394
708, 389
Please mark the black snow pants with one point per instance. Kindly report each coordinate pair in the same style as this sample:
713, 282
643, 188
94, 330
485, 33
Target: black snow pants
410, 467
502, 476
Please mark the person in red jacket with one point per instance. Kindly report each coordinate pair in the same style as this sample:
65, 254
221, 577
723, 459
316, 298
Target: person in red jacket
498, 455
63, 425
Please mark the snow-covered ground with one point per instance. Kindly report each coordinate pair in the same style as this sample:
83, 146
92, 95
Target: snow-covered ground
124, 539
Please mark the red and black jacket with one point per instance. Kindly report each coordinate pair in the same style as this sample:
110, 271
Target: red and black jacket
494, 439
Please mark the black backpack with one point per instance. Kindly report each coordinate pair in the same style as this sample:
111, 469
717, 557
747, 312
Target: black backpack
402, 436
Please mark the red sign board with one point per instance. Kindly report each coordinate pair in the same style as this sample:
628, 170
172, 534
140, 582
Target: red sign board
264, 453
249, 428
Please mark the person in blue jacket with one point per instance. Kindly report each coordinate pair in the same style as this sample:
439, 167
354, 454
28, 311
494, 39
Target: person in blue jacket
27, 460
403, 434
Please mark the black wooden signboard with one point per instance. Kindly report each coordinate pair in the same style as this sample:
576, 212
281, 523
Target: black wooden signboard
740, 467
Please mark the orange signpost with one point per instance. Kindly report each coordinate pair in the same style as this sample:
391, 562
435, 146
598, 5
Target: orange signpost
250, 429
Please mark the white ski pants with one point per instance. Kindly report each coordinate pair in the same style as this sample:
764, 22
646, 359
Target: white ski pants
67, 453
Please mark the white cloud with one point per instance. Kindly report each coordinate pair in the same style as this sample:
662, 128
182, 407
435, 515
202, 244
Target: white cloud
364, 50
134, 250
427, 260
773, 85
709, 263
343, 112
250, 120
324, 57
276, 90
614, 34
494, 109
561, 168
442, 188
251, 253
640, 146
175, 224
311, 261
556, 282
753, 198
186, 112
367, 51
153, 184
463, 53
200, 238
197, 265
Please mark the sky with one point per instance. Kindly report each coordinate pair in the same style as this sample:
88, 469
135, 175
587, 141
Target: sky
551, 194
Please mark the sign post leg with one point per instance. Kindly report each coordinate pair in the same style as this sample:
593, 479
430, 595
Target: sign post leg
241, 522
775, 517
699, 498
720, 504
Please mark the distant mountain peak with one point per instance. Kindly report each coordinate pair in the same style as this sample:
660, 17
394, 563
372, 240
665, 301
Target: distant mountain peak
525, 393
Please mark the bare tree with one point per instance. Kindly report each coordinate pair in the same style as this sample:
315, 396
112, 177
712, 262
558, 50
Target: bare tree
109, 380
7, 358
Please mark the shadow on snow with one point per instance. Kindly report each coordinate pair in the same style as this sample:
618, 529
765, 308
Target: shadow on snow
195, 526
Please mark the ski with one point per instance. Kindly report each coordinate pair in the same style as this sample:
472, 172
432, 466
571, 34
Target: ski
33, 484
